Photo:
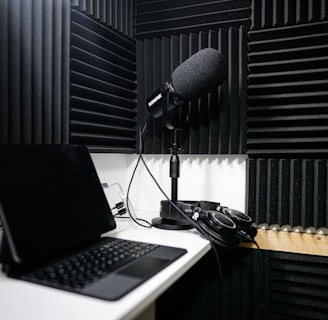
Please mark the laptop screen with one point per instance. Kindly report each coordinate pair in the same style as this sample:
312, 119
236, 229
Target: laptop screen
50, 199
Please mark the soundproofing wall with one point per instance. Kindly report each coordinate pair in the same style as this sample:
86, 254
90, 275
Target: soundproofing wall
297, 286
287, 131
115, 14
34, 77
286, 286
68, 73
168, 32
288, 191
103, 82
288, 90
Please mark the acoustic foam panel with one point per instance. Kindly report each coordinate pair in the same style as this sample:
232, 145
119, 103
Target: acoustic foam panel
168, 32
116, 14
287, 113
287, 81
103, 88
48, 54
254, 286
288, 191
215, 123
167, 17
34, 79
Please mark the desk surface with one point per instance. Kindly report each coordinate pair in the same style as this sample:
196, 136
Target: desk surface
23, 300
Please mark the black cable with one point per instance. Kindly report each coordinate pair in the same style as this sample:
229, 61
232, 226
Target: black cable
140, 157
204, 234
171, 202
261, 287
208, 237
148, 224
259, 250
217, 259
197, 227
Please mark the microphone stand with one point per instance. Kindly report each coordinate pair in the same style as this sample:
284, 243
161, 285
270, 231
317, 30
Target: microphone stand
175, 149
170, 217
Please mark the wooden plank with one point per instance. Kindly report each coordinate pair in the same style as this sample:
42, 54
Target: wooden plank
296, 242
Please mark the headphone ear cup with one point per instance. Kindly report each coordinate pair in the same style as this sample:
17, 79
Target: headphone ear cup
242, 221
220, 228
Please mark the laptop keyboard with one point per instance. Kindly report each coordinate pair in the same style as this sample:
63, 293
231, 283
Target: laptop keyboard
84, 268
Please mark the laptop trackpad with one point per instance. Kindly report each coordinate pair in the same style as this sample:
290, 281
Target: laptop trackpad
115, 285
144, 267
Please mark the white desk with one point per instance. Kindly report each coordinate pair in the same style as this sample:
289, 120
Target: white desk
21, 300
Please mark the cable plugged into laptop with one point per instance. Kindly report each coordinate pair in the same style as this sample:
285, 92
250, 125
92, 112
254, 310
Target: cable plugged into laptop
120, 207
119, 197
123, 204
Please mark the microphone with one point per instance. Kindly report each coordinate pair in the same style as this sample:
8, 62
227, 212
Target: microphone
199, 74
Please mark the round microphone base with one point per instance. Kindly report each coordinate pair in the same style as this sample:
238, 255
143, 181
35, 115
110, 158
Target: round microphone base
170, 218
168, 224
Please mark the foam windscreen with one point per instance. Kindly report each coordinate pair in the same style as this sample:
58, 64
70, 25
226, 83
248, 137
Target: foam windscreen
199, 74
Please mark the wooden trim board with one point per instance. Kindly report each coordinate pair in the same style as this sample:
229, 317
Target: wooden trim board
296, 242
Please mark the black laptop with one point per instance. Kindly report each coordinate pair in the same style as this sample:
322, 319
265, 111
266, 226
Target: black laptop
53, 210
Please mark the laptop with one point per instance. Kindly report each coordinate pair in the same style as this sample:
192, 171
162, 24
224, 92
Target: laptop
54, 212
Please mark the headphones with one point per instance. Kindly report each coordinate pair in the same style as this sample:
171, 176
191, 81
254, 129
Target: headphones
224, 226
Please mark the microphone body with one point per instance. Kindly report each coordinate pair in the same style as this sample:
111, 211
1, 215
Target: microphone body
199, 74
158, 100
